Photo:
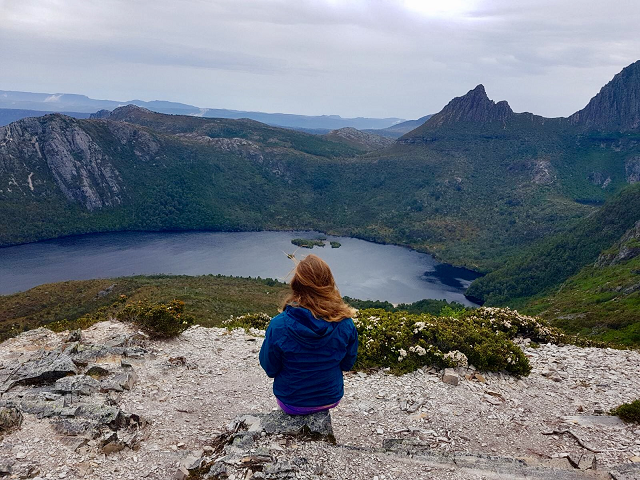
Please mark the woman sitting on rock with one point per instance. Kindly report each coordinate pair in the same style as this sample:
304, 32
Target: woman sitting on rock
308, 346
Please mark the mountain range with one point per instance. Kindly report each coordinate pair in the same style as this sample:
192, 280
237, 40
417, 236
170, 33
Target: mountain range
515, 195
79, 105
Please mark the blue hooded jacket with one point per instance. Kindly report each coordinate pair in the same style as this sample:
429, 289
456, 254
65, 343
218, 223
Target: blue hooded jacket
306, 357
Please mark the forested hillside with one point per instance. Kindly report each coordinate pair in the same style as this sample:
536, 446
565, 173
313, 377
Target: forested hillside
550, 262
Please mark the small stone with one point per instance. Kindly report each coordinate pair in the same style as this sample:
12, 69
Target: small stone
10, 417
181, 474
75, 336
379, 431
5, 469
112, 447
635, 459
122, 381
480, 377
78, 384
97, 371
450, 377
21, 455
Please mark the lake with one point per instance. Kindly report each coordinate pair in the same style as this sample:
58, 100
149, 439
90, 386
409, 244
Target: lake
362, 269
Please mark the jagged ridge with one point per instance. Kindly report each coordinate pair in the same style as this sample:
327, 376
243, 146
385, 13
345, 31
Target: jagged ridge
616, 106
475, 106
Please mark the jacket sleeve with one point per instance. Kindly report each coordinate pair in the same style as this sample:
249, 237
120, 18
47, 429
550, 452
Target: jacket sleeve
352, 351
270, 355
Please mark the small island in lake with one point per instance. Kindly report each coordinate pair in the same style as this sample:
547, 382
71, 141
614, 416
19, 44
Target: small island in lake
335, 244
309, 243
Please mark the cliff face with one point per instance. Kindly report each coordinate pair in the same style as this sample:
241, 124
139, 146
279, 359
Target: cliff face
617, 106
39, 154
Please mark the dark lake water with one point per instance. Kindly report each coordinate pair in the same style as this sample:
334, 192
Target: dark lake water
362, 269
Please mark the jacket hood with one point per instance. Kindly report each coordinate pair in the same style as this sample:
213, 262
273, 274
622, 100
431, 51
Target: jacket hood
306, 328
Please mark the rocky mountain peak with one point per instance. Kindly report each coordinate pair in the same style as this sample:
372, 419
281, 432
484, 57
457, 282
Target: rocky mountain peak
616, 106
100, 114
475, 106
128, 111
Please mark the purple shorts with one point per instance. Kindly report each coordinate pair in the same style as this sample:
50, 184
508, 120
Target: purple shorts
291, 410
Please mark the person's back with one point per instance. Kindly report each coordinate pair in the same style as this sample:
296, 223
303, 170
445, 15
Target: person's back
310, 344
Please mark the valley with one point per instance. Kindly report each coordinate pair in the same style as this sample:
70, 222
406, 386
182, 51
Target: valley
476, 184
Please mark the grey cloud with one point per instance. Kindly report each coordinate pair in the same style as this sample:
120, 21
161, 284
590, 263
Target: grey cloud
351, 57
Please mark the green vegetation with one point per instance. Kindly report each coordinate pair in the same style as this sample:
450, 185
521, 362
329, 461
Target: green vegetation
256, 321
629, 412
550, 262
433, 307
600, 302
307, 243
560, 279
405, 342
159, 320
77, 304
335, 244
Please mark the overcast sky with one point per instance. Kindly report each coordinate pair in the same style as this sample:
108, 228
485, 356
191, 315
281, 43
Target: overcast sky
377, 58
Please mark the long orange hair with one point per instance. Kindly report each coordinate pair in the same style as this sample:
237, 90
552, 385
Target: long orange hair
314, 288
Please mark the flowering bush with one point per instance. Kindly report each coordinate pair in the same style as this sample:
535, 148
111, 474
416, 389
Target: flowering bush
159, 320
250, 322
405, 342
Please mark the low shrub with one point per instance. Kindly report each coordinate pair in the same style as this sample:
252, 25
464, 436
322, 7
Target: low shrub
257, 321
629, 412
405, 342
159, 320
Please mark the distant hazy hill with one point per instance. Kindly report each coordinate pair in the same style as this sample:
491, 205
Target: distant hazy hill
399, 129
64, 103
8, 115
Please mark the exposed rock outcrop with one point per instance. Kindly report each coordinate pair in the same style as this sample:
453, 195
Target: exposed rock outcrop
359, 139
47, 384
617, 106
632, 169
39, 154
626, 248
475, 107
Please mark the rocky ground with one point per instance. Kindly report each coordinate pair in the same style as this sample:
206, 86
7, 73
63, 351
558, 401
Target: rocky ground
126, 407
